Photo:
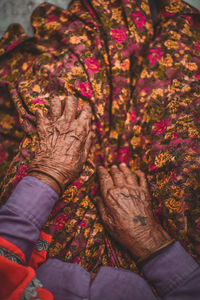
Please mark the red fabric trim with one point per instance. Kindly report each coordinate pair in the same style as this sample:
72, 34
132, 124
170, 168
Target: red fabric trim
39, 257
44, 294
12, 248
15, 278
45, 236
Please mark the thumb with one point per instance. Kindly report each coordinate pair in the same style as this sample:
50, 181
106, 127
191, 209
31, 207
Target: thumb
40, 120
87, 146
100, 205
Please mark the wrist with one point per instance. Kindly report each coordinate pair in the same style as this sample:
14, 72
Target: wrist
46, 179
153, 240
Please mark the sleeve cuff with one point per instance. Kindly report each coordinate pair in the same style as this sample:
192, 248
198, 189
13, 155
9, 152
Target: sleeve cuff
32, 200
170, 268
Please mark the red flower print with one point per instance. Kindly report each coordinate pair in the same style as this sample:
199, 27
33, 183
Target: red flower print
13, 45
76, 260
99, 128
119, 35
38, 100
173, 175
198, 225
83, 224
197, 46
94, 189
139, 19
22, 171
124, 155
60, 220
189, 19
92, 64
78, 184
155, 55
85, 89
159, 127
52, 19
174, 136
152, 167
133, 116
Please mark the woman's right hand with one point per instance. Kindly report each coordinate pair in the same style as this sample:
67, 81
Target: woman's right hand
63, 143
127, 214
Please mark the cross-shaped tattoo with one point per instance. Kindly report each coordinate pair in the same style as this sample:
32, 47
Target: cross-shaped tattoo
140, 219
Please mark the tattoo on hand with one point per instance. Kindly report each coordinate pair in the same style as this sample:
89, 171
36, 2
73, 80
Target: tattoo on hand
140, 219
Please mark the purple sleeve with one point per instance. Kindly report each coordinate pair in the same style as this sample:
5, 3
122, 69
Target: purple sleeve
174, 273
25, 213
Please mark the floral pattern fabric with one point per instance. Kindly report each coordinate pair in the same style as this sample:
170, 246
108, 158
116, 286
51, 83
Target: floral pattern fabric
144, 89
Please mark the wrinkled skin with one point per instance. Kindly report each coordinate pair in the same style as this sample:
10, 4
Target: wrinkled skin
63, 143
127, 214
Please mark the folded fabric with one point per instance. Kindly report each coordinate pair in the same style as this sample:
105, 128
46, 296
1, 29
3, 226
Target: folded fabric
144, 90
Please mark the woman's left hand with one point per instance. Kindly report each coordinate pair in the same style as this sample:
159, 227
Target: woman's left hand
63, 143
126, 211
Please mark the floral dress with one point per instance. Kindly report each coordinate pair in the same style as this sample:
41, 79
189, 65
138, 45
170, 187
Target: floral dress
143, 85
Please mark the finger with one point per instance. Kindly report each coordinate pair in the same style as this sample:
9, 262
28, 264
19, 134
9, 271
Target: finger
70, 109
129, 176
55, 109
40, 115
40, 120
102, 210
101, 206
106, 182
117, 176
142, 178
87, 146
84, 119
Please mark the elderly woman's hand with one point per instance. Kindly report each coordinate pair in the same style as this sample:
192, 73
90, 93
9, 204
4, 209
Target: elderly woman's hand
63, 143
127, 214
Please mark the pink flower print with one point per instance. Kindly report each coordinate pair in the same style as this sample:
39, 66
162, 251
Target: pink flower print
124, 155
85, 89
154, 55
159, 127
60, 220
94, 190
83, 224
52, 19
198, 225
168, 14
197, 46
38, 100
152, 167
159, 214
174, 136
133, 116
119, 35
76, 260
92, 64
189, 19
173, 175
99, 128
78, 184
139, 19
22, 171
13, 45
